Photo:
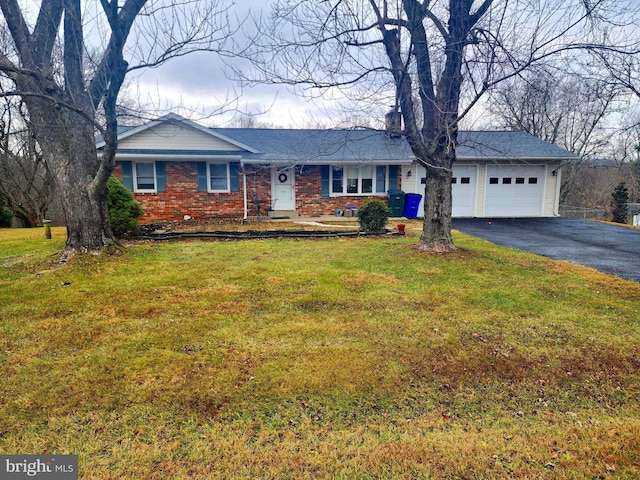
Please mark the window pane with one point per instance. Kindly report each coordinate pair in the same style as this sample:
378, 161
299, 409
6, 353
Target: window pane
506, 180
338, 176
218, 176
218, 184
352, 180
367, 179
145, 179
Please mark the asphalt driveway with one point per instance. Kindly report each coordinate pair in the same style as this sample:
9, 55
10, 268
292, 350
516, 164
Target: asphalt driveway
607, 248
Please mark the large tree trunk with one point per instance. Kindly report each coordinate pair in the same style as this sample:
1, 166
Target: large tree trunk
436, 231
84, 200
68, 145
88, 227
62, 101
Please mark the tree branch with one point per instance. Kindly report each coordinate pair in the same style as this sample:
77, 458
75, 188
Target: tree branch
59, 104
112, 60
73, 50
18, 28
46, 29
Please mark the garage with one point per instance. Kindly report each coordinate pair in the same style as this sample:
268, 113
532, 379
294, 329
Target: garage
464, 182
514, 190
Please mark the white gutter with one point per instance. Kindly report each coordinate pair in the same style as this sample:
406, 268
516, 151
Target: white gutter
175, 158
244, 189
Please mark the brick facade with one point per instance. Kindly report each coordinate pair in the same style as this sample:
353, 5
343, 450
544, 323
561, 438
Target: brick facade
182, 197
309, 200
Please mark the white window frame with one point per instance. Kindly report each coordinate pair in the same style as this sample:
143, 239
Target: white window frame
359, 193
135, 179
211, 190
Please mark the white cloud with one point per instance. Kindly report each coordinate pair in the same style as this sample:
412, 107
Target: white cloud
201, 82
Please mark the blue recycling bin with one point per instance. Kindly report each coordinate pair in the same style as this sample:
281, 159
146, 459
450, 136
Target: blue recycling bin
411, 204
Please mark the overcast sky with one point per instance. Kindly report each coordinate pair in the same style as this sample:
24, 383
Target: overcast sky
197, 85
199, 82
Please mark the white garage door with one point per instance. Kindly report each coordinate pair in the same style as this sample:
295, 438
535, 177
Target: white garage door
514, 191
464, 183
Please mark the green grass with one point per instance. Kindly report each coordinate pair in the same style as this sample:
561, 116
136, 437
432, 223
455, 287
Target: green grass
340, 358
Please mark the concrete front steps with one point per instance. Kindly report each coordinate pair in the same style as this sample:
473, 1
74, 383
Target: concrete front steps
283, 214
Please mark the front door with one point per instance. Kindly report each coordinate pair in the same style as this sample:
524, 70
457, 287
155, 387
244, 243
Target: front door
283, 182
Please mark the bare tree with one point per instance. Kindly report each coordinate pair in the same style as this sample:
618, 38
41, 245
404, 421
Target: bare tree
47, 59
562, 108
432, 60
623, 64
25, 179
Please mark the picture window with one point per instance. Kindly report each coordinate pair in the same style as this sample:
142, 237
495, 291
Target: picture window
363, 180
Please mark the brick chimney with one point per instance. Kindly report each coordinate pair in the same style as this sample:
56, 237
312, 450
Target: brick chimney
393, 122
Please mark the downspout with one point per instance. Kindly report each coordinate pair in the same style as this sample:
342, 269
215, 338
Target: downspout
244, 189
556, 204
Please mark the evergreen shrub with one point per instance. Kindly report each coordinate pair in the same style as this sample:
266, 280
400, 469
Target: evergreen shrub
373, 216
124, 211
619, 200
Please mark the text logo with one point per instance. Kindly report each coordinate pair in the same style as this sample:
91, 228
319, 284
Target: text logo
46, 467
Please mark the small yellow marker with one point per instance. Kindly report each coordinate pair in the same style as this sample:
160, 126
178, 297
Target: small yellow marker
47, 229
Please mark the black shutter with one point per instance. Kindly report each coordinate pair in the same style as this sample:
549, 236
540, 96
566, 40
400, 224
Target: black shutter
381, 178
393, 176
234, 176
202, 176
161, 177
127, 175
324, 174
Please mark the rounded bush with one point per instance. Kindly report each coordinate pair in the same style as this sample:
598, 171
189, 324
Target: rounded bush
124, 211
373, 216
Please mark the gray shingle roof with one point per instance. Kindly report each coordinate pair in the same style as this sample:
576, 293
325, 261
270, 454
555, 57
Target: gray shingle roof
507, 145
313, 146
325, 146
370, 146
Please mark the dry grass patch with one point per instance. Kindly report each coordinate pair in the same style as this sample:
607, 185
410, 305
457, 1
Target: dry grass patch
337, 358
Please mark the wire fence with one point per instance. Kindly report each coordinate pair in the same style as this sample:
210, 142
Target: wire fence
581, 212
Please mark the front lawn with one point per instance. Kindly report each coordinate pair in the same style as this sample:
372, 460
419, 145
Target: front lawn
335, 358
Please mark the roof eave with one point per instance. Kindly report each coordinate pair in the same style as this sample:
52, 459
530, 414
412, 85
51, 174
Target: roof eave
321, 161
470, 158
